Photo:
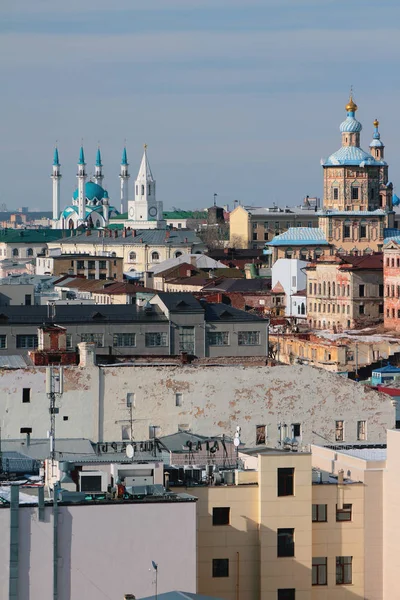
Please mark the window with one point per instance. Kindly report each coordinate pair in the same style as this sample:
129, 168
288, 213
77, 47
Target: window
319, 571
336, 193
346, 230
319, 513
124, 340
178, 399
142, 190
363, 231
178, 254
286, 594
186, 339
249, 338
91, 264
344, 570
221, 515
344, 514
218, 338
155, 257
27, 341
381, 290
126, 433
339, 431
155, 338
95, 338
69, 341
102, 264
130, 400
361, 291
26, 395
296, 430
285, 538
255, 238
220, 567
65, 418
3, 341
29, 252
361, 310
286, 481
15, 252
80, 264
261, 434
354, 193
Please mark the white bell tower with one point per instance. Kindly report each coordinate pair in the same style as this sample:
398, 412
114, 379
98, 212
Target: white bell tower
145, 210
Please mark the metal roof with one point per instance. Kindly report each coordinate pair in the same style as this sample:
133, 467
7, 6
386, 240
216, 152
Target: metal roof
149, 237
31, 236
300, 236
12, 361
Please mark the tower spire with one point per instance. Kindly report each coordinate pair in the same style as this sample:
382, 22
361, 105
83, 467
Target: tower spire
98, 169
124, 177
81, 176
377, 147
56, 177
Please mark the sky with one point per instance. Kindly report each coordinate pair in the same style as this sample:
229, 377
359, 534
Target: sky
236, 97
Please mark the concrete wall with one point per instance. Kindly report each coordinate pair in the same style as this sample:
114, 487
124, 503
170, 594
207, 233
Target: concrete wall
214, 401
391, 521
288, 272
16, 294
105, 551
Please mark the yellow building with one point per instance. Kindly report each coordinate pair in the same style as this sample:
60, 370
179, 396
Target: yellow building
284, 532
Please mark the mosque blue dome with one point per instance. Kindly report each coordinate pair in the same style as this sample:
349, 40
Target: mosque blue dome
350, 125
93, 191
396, 200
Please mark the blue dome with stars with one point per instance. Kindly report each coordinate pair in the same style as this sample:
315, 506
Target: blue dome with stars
93, 191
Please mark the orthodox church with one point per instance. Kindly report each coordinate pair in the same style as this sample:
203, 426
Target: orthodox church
91, 207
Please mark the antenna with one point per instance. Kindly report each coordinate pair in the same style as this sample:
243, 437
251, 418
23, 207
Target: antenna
215, 199
236, 441
155, 569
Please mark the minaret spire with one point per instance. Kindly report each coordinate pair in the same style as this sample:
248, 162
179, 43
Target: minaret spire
98, 169
124, 177
81, 176
56, 177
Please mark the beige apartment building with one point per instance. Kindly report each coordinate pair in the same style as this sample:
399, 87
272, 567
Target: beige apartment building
345, 292
284, 532
319, 525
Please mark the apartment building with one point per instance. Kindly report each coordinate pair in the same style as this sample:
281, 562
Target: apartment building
274, 406
253, 227
345, 292
391, 273
83, 265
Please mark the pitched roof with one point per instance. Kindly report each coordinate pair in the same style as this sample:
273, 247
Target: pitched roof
123, 287
367, 261
180, 302
278, 288
300, 236
223, 312
150, 237
240, 285
31, 236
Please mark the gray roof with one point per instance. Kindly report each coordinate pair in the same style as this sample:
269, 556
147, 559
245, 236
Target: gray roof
12, 361
80, 313
180, 302
151, 237
240, 285
223, 312
176, 442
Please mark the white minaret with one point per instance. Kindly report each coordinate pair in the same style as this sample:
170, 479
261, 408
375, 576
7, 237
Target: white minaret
56, 177
98, 169
81, 175
106, 208
124, 176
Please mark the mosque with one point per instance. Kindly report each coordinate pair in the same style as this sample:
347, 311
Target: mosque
90, 205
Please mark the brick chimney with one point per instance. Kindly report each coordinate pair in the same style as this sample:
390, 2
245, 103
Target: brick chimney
124, 232
87, 354
88, 232
167, 234
115, 233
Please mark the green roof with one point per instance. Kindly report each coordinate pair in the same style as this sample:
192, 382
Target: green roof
32, 236
120, 216
185, 214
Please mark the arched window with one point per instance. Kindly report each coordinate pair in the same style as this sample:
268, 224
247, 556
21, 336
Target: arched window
324, 287
178, 253
347, 229
363, 229
113, 254
289, 253
142, 190
303, 308
149, 189
333, 289
15, 252
132, 256
29, 252
137, 191
155, 256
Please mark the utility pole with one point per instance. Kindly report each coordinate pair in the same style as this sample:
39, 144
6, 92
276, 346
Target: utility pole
54, 389
357, 378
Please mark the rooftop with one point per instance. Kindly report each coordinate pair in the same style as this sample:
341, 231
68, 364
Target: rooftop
31, 236
150, 237
300, 236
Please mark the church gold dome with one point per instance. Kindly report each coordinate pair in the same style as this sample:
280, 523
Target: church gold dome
351, 106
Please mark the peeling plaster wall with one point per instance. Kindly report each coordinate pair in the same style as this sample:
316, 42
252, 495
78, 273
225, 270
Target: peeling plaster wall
214, 401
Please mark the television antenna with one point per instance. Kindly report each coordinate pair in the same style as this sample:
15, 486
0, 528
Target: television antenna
130, 451
237, 442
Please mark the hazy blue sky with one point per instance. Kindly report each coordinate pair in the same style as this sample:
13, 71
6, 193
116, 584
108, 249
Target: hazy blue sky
238, 97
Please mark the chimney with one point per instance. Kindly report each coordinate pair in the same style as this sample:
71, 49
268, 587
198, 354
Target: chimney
193, 260
115, 233
133, 232
88, 232
87, 354
129, 597
124, 232
188, 273
167, 234
28, 439
186, 240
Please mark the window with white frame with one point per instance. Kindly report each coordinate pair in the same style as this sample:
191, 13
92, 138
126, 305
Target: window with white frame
3, 341
218, 338
27, 341
124, 340
155, 338
95, 338
68, 341
361, 430
249, 338
155, 257
339, 431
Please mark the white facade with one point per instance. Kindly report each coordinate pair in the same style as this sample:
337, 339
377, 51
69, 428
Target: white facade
215, 399
145, 211
104, 551
288, 272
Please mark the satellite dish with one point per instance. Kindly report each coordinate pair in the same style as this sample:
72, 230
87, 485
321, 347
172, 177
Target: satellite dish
236, 441
130, 453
